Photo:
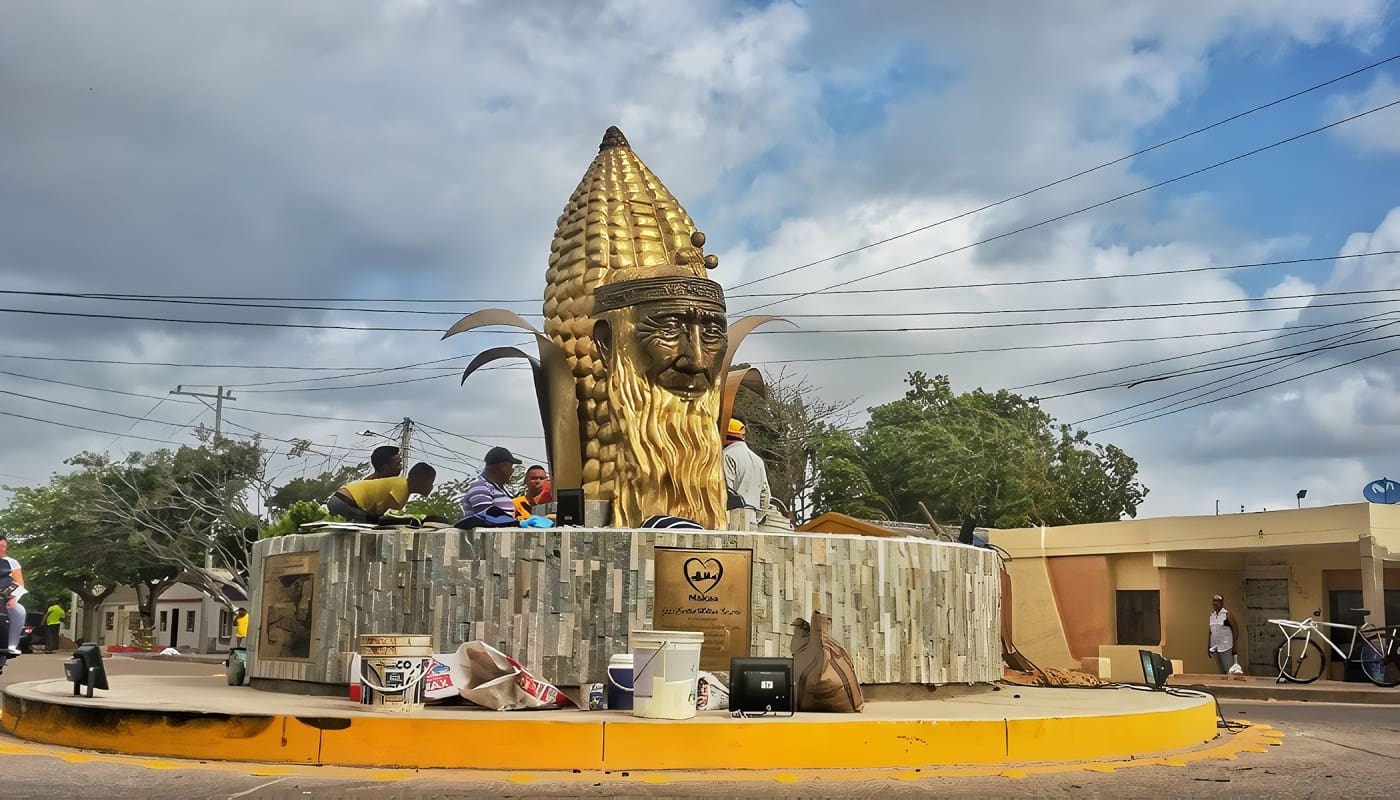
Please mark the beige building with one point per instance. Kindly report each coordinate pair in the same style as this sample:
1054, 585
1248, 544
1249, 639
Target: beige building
186, 619
1091, 596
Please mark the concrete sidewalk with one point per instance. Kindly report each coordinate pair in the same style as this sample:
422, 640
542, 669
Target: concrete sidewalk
1260, 688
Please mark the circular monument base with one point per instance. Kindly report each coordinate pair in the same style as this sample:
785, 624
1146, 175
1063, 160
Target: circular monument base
204, 718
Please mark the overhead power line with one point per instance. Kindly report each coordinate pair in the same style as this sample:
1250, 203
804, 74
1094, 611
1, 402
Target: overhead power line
241, 323
1077, 278
861, 248
1088, 321
84, 428
1015, 348
276, 298
1297, 330
284, 367
1079, 174
1247, 391
1057, 309
191, 402
803, 331
93, 410
1325, 344
304, 306
1100, 204
730, 295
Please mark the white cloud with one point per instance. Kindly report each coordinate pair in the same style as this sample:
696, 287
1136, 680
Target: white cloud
1378, 133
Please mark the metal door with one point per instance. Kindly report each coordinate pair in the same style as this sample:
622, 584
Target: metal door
1265, 599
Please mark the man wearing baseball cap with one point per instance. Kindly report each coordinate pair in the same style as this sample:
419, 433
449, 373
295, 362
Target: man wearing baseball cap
488, 491
1223, 635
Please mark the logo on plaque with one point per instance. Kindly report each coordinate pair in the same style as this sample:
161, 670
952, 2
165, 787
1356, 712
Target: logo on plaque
703, 577
709, 591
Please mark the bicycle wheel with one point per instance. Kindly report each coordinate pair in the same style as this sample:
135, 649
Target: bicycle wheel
1379, 659
1300, 659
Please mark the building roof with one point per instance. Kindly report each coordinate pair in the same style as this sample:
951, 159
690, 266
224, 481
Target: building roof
1250, 531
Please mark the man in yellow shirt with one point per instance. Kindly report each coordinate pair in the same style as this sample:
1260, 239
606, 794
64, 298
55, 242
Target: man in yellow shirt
240, 628
367, 500
53, 620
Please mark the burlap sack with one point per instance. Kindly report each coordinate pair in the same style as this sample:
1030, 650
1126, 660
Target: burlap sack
822, 670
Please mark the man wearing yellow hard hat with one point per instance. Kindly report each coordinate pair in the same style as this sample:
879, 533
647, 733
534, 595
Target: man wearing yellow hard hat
744, 472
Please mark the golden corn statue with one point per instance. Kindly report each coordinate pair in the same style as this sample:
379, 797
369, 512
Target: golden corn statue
634, 357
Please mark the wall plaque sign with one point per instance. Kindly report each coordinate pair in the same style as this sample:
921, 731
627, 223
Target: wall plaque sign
708, 591
289, 582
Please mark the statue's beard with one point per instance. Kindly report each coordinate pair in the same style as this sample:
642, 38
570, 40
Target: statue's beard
669, 456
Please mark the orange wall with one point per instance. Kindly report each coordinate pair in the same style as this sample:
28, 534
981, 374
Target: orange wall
1083, 597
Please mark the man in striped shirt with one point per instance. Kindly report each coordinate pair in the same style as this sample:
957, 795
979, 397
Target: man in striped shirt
488, 491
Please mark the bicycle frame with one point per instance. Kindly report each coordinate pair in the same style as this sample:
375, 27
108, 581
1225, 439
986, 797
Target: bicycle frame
1314, 626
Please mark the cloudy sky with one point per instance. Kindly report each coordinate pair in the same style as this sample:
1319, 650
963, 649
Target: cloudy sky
395, 165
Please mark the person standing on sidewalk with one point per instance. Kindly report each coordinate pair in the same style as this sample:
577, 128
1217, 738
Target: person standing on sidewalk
1223, 635
240, 628
53, 620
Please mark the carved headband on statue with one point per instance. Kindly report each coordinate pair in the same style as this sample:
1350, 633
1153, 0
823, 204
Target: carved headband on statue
700, 291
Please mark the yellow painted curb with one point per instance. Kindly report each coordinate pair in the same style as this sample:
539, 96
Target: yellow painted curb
1257, 738
521, 743
797, 744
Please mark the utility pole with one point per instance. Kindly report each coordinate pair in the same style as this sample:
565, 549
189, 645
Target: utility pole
219, 397
404, 437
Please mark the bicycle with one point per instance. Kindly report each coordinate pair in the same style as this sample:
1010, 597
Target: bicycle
1302, 660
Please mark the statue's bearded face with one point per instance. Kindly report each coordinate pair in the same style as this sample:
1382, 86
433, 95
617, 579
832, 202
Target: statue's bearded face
680, 346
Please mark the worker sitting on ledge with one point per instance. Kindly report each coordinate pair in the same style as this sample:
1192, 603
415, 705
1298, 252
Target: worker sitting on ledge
387, 461
367, 500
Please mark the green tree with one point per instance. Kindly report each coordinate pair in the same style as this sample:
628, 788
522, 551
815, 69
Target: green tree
842, 484
298, 514
59, 536
185, 513
315, 488
444, 502
995, 456
785, 427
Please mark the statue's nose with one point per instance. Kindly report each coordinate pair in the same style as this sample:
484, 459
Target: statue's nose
688, 356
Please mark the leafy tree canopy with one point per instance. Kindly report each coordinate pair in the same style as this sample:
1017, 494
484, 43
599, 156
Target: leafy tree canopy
994, 456
445, 501
313, 489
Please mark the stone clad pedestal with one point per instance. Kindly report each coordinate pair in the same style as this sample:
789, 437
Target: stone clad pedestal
562, 600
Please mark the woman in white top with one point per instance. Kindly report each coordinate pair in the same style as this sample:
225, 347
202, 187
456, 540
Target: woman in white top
10, 573
1223, 634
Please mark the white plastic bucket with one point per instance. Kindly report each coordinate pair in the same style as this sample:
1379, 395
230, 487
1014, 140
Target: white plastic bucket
665, 667
392, 668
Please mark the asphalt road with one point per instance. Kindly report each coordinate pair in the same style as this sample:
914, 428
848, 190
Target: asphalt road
1329, 750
